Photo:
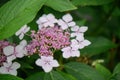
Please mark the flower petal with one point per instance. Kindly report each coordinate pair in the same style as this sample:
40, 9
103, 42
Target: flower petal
3, 70
66, 55
15, 65
13, 72
75, 28
55, 63
11, 58
8, 50
67, 18
83, 29
21, 36
71, 24
47, 68
19, 50
39, 62
86, 42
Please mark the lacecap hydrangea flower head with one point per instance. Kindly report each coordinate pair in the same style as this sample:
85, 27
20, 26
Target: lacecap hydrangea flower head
56, 34
53, 35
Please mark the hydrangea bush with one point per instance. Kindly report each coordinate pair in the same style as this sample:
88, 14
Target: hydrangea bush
59, 40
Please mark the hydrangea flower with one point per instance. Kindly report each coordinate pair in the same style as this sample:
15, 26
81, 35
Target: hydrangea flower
78, 32
46, 21
56, 34
47, 63
15, 52
22, 31
9, 68
70, 52
66, 21
79, 44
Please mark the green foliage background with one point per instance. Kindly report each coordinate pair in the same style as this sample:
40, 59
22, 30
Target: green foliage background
103, 20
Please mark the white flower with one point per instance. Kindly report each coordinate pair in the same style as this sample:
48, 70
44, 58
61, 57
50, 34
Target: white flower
9, 68
79, 44
47, 63
46, 21
66, 21
21, 32
15, 52
70, 52
78, 32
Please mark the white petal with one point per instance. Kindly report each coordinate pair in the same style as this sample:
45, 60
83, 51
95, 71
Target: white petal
39, 62
86, 42
71, 24
42, 19
13, 72
62, 24
83, 29
76, 53
55, 63
3, 70
80, 37
47, 68
66, 49
67, 18
15, 65
7, 64
23, 43
75, 28
21, 36
26, 29
73, 35
66, 54
40, 26
20, 30
11, 58
50, 17
19, 49
8, 50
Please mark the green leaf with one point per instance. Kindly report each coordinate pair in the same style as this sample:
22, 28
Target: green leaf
58, 75
97, 46
67, 76
103, 71
54, 75
60, 5
82, 71
9, 77
116, 72
17, 13
36, 76
90, 2
117, 69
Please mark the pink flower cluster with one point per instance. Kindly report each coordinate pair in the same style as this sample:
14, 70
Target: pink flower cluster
48, 39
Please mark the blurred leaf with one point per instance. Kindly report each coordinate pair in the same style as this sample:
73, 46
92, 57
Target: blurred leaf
9, 77
117, 69
103, 71
116, 72
54, 75
90, 2
60, 5
67, 76
13, 16
97, 46
82, 71
25, 65
36, 76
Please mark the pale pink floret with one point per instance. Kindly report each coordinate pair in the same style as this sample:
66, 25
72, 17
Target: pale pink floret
47, 63
9, 68
70, 52
22, 31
